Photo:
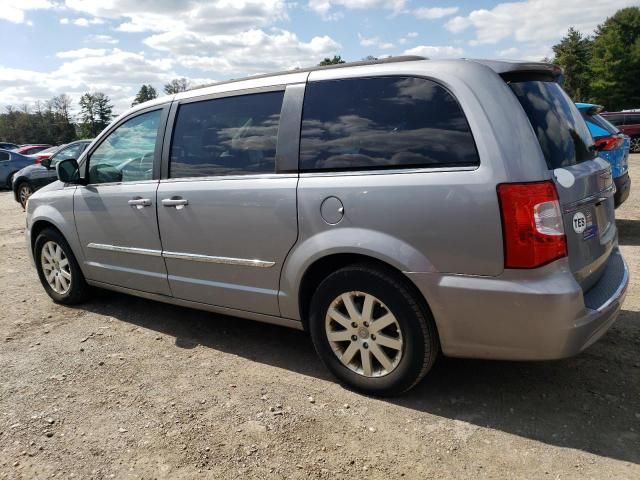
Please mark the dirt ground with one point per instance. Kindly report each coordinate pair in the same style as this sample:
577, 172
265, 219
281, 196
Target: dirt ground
127, 388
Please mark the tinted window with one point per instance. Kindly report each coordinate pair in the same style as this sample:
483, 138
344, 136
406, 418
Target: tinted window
127, 153
4, 156
562, 133
632, 119
226, 136
615, 119
384, 122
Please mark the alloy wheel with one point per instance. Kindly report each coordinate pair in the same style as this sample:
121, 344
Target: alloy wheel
364, 334
24, 193
635, 145
56, 267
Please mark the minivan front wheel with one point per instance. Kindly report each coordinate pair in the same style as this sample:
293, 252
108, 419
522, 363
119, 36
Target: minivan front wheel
372, 331
58, 269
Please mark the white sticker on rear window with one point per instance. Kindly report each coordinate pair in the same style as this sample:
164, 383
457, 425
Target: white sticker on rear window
564, 177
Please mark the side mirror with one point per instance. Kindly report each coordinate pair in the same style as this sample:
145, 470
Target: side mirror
46, 163
68, 171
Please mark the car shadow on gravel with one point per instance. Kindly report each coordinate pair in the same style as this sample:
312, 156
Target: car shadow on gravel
590, 402
628, 232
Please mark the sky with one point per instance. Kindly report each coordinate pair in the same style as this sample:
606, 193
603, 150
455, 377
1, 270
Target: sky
51, 47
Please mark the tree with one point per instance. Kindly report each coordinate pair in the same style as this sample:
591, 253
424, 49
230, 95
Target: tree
616, 61
573, 54
146, 92
369, 58
331, 61
176, 85
96, 113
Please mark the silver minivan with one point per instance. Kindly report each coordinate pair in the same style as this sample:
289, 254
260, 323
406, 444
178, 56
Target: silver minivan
393, 209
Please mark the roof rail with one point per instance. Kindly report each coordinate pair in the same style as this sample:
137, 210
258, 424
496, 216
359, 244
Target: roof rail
401, 58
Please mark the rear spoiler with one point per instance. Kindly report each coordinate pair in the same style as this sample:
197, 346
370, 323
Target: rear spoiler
522, 71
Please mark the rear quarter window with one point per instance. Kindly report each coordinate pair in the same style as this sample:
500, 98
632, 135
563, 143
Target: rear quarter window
562, 133
382, 123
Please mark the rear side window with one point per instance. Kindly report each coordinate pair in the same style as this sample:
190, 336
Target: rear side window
632, 119
4, 156
615, 119
603, 123
562, 133
383, 122
226, 136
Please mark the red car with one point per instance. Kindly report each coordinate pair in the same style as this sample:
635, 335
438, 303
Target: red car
629, 124
46, 153
31, 149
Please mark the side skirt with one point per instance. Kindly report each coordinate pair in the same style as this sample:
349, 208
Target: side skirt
284, 322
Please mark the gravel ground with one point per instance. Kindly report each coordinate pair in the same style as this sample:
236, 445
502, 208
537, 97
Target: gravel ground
127, 388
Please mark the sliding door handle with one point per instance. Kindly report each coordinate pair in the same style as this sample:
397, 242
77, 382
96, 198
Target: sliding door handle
177, 202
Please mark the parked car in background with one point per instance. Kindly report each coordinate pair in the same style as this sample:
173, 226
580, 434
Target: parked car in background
46, 153
8, 146
34, 177
629, 124
31, 149
613, 146
393, 209
10, 163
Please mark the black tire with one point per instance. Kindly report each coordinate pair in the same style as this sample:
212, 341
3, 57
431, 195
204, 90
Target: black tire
420, 346
21, 199
78, 290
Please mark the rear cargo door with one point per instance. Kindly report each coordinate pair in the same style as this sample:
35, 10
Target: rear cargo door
583, 180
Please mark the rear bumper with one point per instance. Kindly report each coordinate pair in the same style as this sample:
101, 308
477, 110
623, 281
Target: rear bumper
540, 314
623, 187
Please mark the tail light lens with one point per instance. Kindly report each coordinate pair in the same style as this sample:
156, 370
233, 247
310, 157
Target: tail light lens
609, 143
532, 227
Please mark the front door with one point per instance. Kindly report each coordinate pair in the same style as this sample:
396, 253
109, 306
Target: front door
227, 219
116, 211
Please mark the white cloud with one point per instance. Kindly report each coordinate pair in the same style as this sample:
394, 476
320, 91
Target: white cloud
435, 51
14, 10
374, 42
253, 51
434, 12
323, 7
535, 20
64, 21
508, 52
81, 53
409, 36
115, 72
108, 39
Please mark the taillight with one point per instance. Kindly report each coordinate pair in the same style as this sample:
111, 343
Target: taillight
609, 143
532, 228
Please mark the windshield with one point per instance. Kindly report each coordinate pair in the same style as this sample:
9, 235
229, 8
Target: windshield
562, 133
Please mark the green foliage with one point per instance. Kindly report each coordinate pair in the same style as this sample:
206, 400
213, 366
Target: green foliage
48, 122
176, 85
96, 112
616, 61
331, 61
573, 54
146, 92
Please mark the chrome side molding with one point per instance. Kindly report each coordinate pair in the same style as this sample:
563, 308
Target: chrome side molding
245, 262
114, 248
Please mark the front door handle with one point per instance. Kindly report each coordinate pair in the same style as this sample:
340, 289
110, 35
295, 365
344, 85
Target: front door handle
177, 202
139, 202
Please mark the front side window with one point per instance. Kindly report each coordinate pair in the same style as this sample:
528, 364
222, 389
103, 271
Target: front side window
615, 119
226, 136
383, 122
126, 155
72, 151
4, 156
632, 119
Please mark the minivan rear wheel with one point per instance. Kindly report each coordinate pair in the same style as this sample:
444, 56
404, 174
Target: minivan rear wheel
372, 331
24, 192
58, 269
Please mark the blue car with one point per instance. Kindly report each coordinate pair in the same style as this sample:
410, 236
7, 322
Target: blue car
612, 145
10, 163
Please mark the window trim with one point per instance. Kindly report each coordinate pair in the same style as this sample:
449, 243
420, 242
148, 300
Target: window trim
391, 169
87, 153
171, 126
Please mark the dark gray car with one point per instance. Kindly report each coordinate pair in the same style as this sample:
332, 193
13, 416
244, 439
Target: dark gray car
36, 176
394, 210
